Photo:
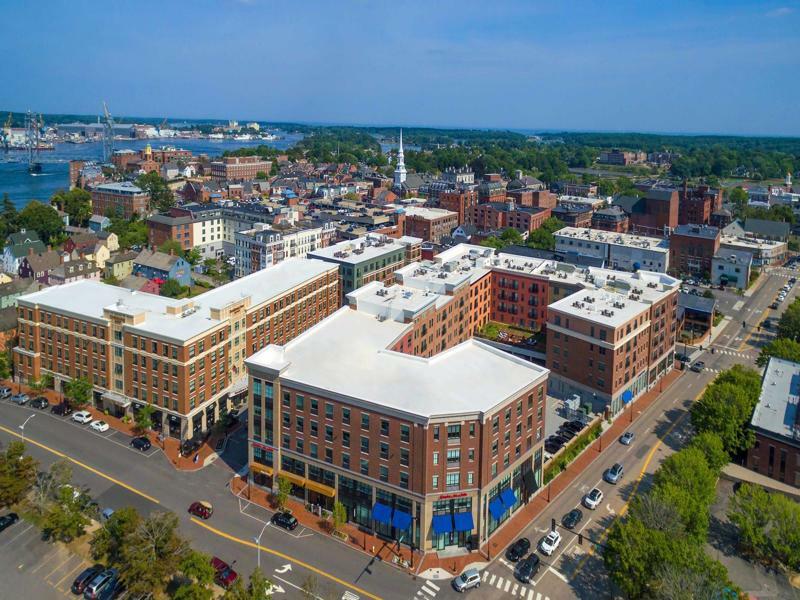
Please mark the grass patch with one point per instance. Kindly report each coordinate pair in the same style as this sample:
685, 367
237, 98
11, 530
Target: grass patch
512, 334
572, 450
718, 316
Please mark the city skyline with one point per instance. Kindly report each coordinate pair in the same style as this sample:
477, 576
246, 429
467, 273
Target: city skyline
512, 66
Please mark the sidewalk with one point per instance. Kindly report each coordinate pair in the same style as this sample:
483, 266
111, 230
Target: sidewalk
510, 530
734, 472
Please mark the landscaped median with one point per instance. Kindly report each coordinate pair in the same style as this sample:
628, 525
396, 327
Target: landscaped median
571, 451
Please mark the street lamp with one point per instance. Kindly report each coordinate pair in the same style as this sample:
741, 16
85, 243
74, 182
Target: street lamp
22, 427
258, 544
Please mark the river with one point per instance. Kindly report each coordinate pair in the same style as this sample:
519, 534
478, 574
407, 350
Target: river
22, 187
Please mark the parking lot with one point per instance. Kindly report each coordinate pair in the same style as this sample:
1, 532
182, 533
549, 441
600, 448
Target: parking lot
31, 567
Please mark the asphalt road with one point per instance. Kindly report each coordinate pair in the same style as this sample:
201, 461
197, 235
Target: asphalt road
118, 476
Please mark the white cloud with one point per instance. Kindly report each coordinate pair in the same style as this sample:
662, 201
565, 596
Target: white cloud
780, 12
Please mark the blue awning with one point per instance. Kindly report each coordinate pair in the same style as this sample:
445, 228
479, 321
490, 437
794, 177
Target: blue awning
442, 524
382, 513
401, 520
627, 396
496, 508
463, 521
508, 497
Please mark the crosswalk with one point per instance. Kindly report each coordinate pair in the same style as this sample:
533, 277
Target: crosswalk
736, 353
428, 591
511, 586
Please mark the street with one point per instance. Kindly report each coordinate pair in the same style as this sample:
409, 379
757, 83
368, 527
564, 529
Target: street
117, 476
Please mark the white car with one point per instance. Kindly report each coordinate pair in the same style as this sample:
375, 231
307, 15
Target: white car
550, 542
100, 426
82, 416
593, 499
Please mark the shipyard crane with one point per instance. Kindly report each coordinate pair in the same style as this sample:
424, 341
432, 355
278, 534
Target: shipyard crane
108, 134
33, 139
7, 131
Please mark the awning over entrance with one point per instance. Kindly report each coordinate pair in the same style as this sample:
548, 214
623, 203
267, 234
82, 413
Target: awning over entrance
627, 396
508, 497
298, 480
463, 521
496, 508
382, 513
442, 524
259, 468
401, 520
117, 399
320, 488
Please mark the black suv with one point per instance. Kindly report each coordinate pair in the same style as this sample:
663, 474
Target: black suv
572, 518
141, 443
518, 549
41, 403
527, 568
285, 520
63, 409
8, 520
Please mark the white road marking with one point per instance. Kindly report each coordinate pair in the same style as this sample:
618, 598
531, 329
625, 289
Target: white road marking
485, 575
508, 585
433, 585
538, 595
514, 590
559, 575
491, 581
430, 593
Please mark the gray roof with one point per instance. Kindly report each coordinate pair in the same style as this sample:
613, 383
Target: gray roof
764, 228
737, 256
21, 237
120, 258
170, 220
156, 260
699, 231
659, 194
45, 261
734, 228
627, 203
99, 219
776, 412
21, 250
697, 303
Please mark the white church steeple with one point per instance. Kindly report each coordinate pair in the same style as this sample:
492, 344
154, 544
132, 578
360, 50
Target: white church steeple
400, 169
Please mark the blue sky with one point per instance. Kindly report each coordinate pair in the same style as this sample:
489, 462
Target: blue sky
723, 67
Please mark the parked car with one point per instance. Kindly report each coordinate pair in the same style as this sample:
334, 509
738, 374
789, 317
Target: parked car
774, 306
518, 549
613, 474
527, 568
113, 590
550, 542
469, 579
82, 416
576, 425
96, 585
559, 439
593, 499
8, 520
5, 392
681, 357
698, 366
40, 402
566, 433
141, 443
20, 399
201, 509
285, 520
572, 518
626, 438
224, 575
99, 425
63, 409
107, 514
552, 447
85, 577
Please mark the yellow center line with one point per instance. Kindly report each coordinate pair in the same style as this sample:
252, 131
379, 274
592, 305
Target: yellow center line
624, 509
285, 557
28, 440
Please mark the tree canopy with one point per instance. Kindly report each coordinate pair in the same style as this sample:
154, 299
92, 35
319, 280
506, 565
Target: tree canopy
77, 203
161, 196
42, 219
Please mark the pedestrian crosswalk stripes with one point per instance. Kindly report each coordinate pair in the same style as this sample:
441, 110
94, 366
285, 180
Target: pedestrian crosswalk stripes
427, 591
511, 586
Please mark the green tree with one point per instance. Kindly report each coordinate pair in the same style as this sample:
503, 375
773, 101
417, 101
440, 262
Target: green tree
749, 510
698, 576
725, 409
152, 554
339, 515
511, 237
108, 542
41, 384
5, 364
143, 419
172, 289
281, 495
784, 532
606, 187
42, 219
738, 197
76, 203
17, 473
192, 256
789, 325
493, 242
79, 391
161, 196
779, 348
196, 568
261, 175
48, 486
68, 516
173, 246
9, 217
710, 444
257, 588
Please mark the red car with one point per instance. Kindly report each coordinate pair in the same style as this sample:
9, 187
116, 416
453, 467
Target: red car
201, 509
224, 574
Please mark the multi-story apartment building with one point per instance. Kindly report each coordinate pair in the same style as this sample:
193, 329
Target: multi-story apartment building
124, 199
239, 168
501, 215
178, 227
264, 245
612, 341
401, 425
698, 204
573, 214
184, 357
623, 251
459, 201
429, 224
691, 248
612, 218
374, 257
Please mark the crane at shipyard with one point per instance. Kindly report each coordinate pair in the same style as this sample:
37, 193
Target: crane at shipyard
7, 131
33, 139
108, 134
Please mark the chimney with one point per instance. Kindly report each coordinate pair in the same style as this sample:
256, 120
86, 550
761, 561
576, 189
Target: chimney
30, 251
172, 251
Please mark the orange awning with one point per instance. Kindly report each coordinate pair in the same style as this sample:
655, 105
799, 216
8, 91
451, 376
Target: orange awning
295, 479
259, 468
320, 488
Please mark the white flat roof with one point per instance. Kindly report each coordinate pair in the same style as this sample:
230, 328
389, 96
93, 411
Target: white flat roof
428, 213
396, 302
346, 355
616, 239
363, 248
748, 242
88, 299
600, 306
776, 411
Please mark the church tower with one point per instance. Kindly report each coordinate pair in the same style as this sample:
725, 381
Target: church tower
400, 169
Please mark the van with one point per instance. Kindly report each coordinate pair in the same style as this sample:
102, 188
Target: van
107, 577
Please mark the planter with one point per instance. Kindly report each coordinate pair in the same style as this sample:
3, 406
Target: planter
341, 535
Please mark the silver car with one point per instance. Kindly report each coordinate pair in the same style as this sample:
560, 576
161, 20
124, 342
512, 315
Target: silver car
613, 474
469, 579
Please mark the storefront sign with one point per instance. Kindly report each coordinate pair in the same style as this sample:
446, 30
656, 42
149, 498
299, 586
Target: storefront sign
263, 446
449, 496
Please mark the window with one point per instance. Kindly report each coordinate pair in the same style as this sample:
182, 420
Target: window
495, 424
384, 473
345, 458
384, 427
471, 454
314, 428
299, 402
453, 457
300, 445
435, 458
435, 481
300, 424
453, 480
404, 457
314, 450
364, 467
435, 432
365, 421
346, 416
328, 433
453, 433
345, 439
384, 451
472, 430
404, 480
364, 444
329, 410
470, 478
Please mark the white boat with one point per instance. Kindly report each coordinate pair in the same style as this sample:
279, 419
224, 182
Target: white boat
216, 136
243, 137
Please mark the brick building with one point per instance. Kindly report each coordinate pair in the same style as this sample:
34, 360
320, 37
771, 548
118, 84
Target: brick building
698, 204
403, 427
124, 199
184, 357
776, 423
573, 214
611, 219
460, 202
692, 248
165, 227
428, 224
502, 215
239, 168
